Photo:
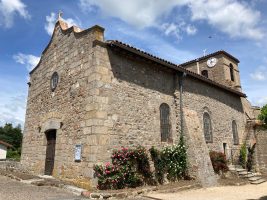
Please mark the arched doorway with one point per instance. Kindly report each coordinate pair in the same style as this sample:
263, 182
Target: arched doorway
50, 151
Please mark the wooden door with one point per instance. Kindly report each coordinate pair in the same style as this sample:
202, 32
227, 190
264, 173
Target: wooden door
50, 152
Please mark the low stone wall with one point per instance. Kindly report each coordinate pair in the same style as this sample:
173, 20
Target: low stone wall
261, 148
10, 165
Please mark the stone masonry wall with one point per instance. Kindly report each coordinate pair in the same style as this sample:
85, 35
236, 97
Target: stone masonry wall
106, 99
220, 72
134, 93
223, 107
261, 148
72, 56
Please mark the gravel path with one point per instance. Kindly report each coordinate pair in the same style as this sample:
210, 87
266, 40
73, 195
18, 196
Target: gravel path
245, 192
14, 190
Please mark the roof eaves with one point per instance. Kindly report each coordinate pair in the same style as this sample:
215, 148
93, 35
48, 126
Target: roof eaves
210, 55
171, 65
5, 143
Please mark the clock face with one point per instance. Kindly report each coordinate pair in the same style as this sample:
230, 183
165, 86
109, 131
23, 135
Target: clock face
211, 62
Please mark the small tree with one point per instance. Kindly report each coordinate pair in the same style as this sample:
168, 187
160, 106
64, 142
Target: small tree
263, 115
250, 160
13, 136
243, 156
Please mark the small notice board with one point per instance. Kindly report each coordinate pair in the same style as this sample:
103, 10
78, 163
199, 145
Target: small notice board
78, 152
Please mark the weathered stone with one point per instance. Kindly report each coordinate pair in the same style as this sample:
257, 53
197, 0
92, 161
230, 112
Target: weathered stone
95, 195
107, 97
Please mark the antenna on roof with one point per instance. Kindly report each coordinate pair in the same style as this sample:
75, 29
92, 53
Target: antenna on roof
60, 13
204, 52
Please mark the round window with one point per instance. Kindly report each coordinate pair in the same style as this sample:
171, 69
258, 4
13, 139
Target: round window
54, 81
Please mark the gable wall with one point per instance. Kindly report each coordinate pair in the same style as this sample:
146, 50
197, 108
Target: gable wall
72, 56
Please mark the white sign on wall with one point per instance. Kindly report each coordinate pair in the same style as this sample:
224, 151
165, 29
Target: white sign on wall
78, 152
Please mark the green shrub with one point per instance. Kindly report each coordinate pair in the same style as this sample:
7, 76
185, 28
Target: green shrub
171, 161
129, 168
263, 114
219, 162
13, 154
243, 156
159, 164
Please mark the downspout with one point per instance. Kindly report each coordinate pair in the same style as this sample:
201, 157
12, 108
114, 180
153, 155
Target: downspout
198, 69
181, 77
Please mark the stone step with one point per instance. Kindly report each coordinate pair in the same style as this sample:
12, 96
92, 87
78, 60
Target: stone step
247, 176
255, 178
241, 170
244, 173
250, 175
258, 181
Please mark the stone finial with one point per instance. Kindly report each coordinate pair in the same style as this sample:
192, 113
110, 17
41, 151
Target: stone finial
60, 13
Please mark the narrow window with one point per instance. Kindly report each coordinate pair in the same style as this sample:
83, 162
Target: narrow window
232, 72
207, 127
205, 73
54, 81
165, 126
235, 133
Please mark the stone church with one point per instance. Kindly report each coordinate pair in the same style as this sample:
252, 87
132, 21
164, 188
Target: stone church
88, 96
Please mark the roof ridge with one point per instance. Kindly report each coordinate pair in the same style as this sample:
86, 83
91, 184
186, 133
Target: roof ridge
172, 65
209, 55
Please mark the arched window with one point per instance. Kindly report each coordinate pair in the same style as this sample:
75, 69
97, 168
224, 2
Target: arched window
235, 133
207, 127
232, 72
165, 126
54, 81
205, 73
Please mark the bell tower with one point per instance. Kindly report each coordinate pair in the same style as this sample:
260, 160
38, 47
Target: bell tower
220, 67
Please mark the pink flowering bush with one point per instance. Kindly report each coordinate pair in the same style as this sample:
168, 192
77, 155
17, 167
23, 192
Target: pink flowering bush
129, 168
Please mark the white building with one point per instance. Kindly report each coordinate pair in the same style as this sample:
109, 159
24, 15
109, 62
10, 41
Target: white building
3, 149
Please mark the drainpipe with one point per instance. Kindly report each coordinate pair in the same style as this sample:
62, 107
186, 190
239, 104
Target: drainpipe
181, 77
198, 69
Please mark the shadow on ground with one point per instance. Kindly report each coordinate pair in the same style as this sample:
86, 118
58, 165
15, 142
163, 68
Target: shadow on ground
261, 198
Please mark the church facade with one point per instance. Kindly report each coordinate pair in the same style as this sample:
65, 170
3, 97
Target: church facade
88, 96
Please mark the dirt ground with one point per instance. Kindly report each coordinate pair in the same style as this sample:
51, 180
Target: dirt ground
245, 192
14, 190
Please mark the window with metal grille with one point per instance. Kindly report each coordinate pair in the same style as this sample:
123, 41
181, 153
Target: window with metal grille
235, 133
165, 126
232, 72
205, 73
207, 127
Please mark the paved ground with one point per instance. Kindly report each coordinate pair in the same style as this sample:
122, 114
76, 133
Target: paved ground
14, 190
11, 189
246, 192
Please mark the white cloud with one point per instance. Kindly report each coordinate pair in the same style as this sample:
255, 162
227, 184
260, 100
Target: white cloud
30, 61
133, 12
12, 109
138, 12
52, 19
191, 30
151, 43
260, 74
232, 17
177, 29
260, 101
9, 8
229, 16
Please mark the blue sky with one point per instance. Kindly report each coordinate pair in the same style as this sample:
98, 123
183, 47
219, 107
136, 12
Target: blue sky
176, 30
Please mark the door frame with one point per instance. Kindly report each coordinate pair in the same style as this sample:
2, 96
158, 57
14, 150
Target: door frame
51, 136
